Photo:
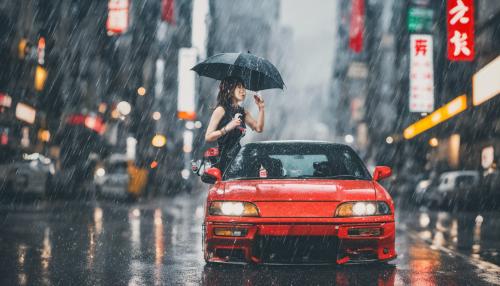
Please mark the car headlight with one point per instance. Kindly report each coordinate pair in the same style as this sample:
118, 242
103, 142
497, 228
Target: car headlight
233, 209
362, 209
100, 172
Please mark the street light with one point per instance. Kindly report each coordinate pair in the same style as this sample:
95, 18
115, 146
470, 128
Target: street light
124, 108
156, 115
159, 140
141, 91
349, 138
389, 140
434, 142
189, 125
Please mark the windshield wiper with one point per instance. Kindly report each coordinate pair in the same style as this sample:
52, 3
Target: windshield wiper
245, 178
352, 177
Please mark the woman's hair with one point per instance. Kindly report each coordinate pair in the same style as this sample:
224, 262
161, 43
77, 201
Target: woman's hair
226, 90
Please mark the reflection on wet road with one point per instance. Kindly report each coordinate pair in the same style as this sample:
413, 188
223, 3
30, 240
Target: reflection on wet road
471, 233
159, 243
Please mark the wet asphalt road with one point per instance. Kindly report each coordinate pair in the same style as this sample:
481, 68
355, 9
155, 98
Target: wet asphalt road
159, 243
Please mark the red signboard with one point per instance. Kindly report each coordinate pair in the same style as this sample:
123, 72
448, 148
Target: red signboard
167, 11
5, 100
95, 123
460, 26
357, 25
117, 22
41, 51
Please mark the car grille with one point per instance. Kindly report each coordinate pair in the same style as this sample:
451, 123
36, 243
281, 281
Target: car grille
296, 249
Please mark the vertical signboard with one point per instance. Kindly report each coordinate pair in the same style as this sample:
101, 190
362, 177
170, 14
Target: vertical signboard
186, 84
421, 74
117, 22
357, 25
199, 31
460, 27
168, 11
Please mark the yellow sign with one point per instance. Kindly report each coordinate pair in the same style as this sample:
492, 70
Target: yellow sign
44, 135
442, 114
486, 82
22, 48
40, 77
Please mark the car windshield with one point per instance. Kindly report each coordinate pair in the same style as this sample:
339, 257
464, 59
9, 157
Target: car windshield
296, 161
120, 168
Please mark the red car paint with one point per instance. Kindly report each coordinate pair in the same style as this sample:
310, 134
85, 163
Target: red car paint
301, 210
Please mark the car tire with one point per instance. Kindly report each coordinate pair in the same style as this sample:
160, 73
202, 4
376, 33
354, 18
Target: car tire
98, 192
131, 198
203, 247
48, 187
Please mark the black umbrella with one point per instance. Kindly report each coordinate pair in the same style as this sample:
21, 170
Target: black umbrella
257, 73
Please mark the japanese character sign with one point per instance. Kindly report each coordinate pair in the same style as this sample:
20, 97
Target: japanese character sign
421, 74
460, 24
357, 25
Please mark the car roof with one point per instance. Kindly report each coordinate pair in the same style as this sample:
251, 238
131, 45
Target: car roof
459, 173
277, 142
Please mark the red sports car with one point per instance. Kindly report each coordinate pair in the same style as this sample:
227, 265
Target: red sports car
298, 202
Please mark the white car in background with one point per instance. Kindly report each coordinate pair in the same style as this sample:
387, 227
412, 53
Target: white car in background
27, 174
456, 187
112, 177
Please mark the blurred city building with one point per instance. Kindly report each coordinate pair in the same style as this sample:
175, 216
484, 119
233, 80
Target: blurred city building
93, 77
372, 85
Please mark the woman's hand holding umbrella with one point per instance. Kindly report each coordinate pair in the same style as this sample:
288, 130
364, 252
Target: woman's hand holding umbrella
259, 101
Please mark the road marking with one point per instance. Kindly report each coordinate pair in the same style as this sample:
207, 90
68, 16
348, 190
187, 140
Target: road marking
482, 264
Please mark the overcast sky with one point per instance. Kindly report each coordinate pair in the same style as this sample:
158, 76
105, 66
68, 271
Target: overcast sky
297, 112
314, 32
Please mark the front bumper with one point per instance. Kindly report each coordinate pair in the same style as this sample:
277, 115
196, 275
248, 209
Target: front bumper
300, 242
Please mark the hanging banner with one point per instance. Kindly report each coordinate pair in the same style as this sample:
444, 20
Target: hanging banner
460, 28
357, 25
117, 22
421, 74
167, 11
186, 107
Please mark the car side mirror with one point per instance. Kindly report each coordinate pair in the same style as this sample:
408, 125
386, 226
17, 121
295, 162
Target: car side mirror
381, 172
211, 176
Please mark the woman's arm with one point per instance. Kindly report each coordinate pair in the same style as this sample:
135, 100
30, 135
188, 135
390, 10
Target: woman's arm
256, 125
212, 133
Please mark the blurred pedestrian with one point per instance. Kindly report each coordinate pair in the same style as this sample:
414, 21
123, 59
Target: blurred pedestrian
229, 120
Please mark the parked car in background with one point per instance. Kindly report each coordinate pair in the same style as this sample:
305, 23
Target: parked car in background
456, 188
490, 190
112, 177
422, 187
27, 174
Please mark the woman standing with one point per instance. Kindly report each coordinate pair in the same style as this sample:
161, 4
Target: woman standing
229, 120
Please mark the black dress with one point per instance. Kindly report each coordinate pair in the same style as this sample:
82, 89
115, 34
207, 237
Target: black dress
229, 144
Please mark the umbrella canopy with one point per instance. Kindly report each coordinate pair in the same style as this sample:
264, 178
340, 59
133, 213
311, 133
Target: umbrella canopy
257, 73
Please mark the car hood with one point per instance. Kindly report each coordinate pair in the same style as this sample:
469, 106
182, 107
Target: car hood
295, 190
